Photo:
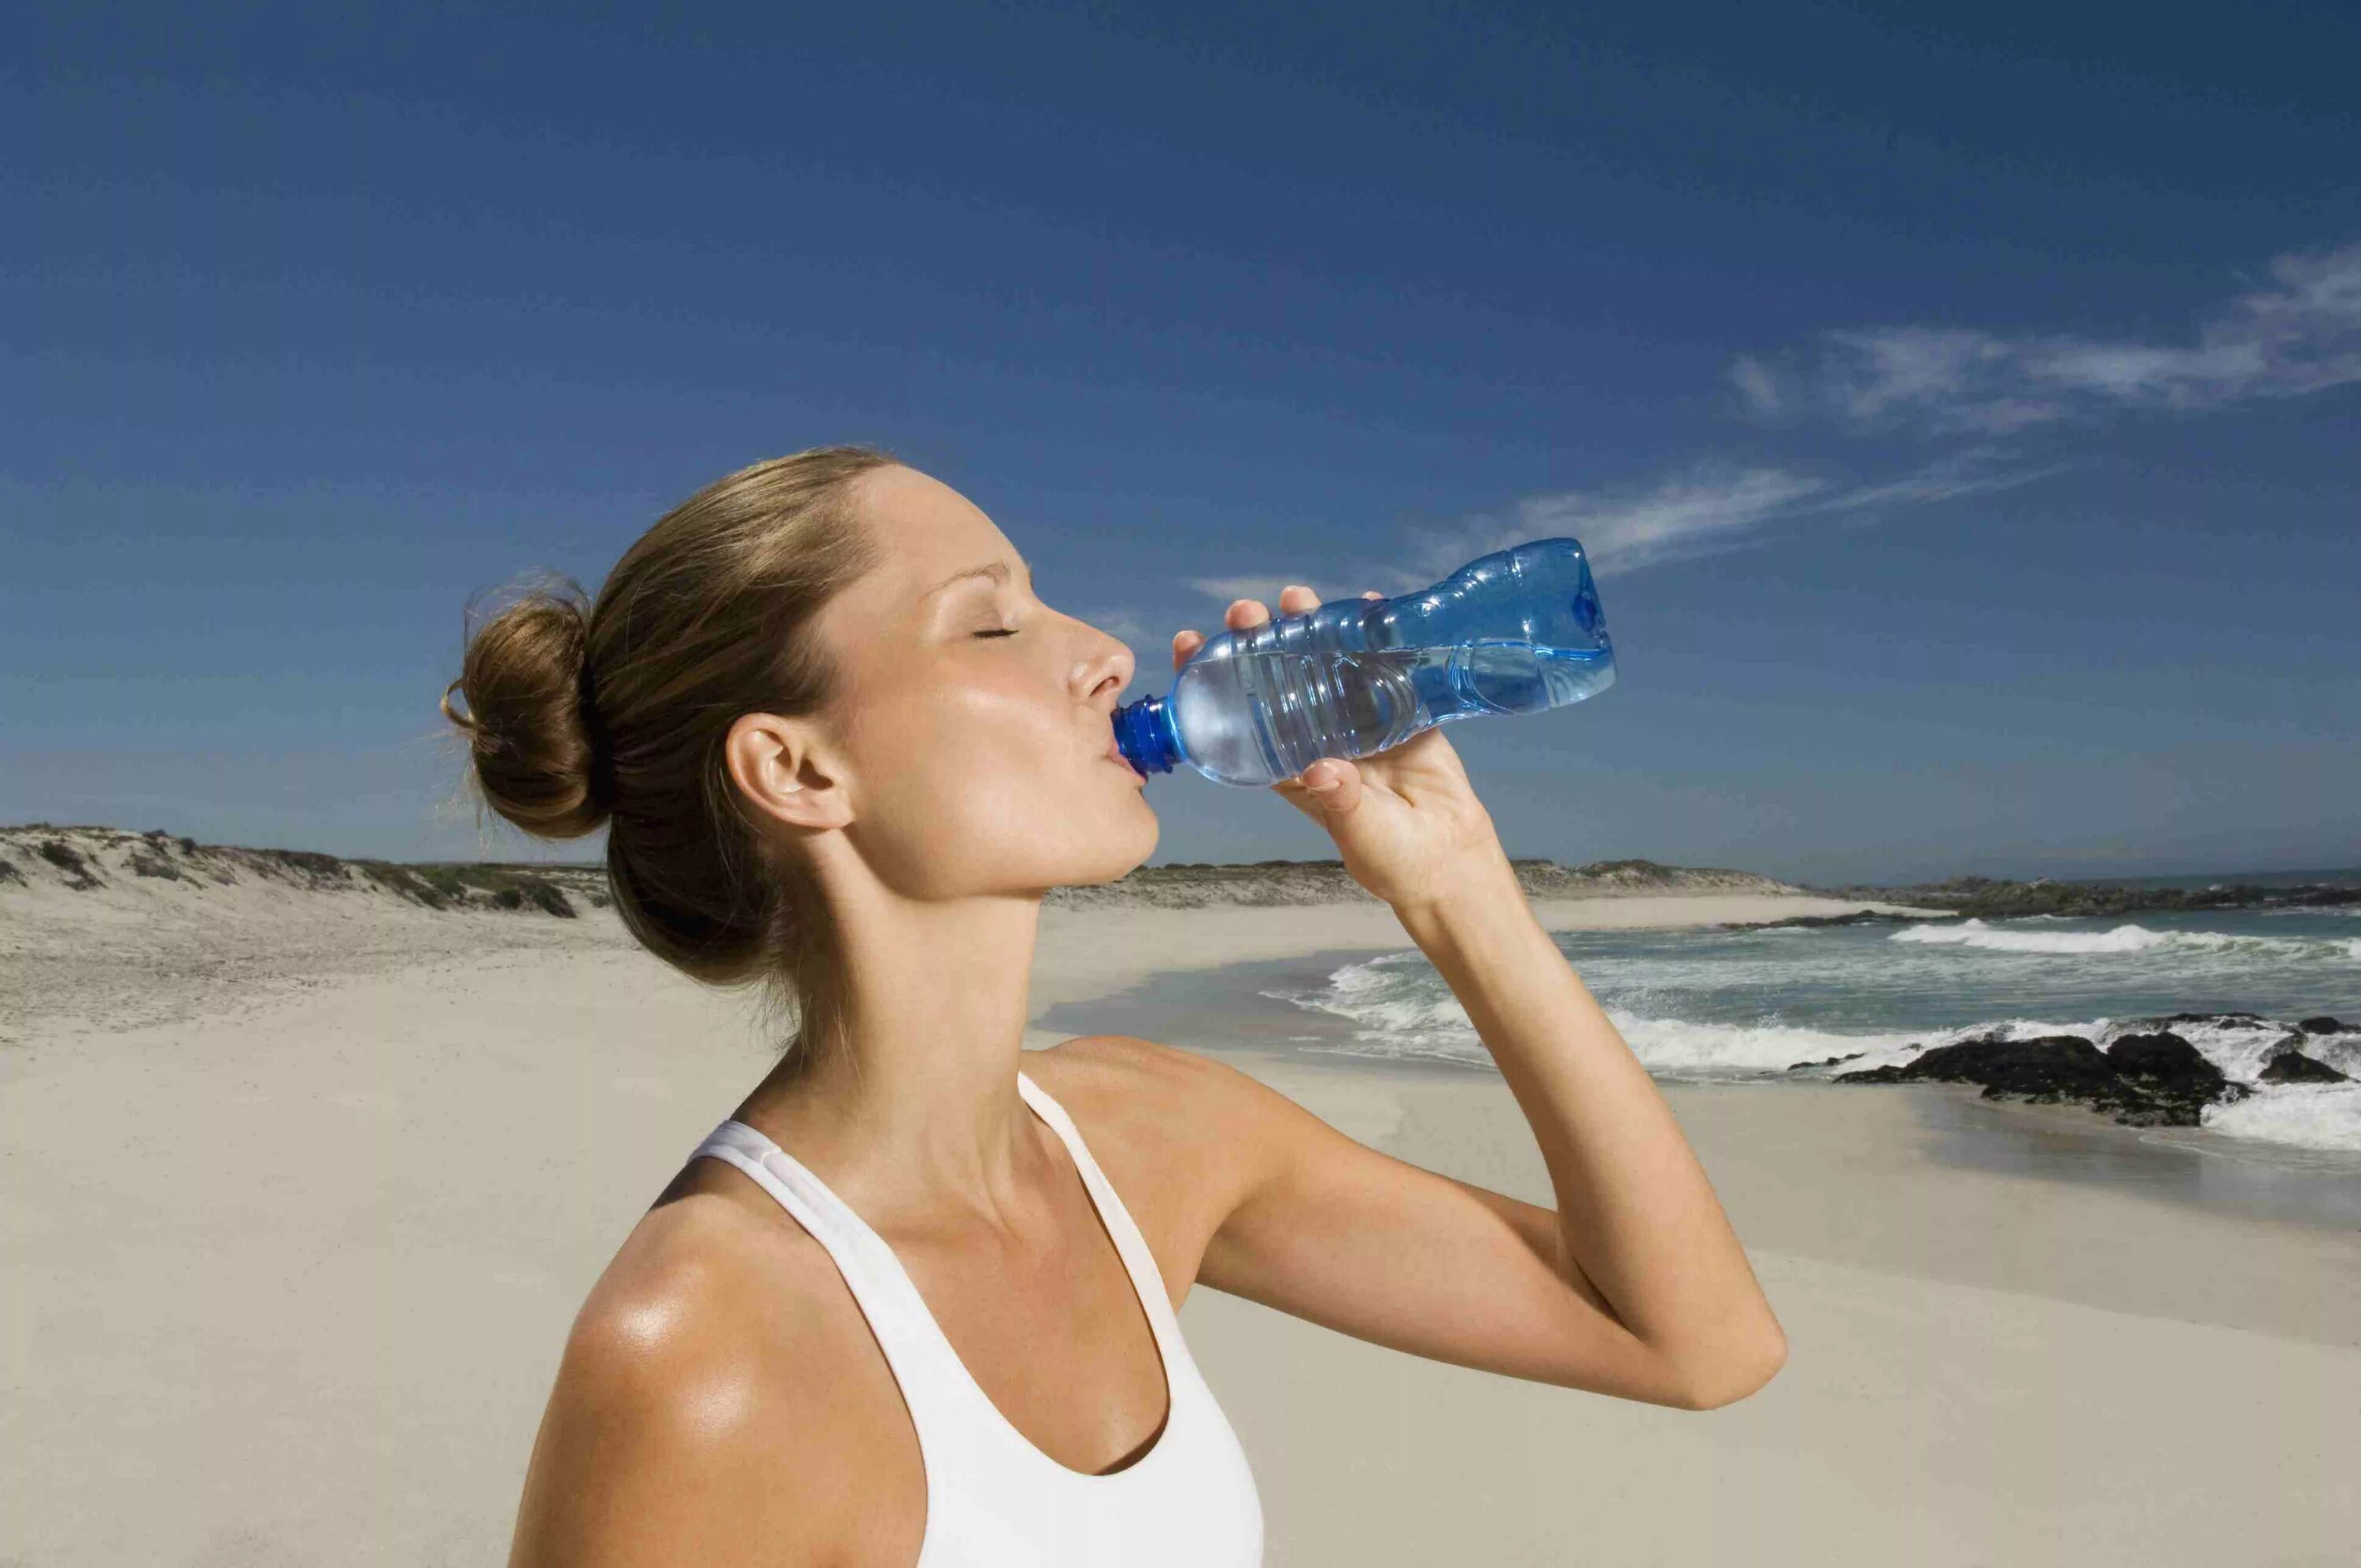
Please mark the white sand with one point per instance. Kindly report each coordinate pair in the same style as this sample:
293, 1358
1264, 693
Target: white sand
284, 1276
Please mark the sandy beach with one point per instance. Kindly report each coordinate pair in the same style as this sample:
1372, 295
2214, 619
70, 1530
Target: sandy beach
287, 1258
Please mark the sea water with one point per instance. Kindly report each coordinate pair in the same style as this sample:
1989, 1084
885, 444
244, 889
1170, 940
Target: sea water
1749, 1005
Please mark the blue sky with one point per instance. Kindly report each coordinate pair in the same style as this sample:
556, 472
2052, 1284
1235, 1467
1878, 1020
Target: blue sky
1960, 402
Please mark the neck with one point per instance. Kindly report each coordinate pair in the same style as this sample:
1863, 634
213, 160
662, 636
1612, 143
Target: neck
916, 1111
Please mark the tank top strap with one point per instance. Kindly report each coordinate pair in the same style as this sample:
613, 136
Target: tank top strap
1139, 1261
924, 1364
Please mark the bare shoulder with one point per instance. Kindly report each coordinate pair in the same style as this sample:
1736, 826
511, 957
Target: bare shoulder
1183, 1136
1138, 1088
716, 1402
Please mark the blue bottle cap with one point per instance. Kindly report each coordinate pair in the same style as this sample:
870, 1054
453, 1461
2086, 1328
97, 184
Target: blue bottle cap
1143, 733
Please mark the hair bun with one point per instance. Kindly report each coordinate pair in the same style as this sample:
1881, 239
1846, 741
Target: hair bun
533, 740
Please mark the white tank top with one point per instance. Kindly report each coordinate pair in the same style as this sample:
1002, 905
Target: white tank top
994, 1500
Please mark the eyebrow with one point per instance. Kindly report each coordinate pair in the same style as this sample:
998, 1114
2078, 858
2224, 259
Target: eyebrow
997, 571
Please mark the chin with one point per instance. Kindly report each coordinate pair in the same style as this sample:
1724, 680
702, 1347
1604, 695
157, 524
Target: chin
1127, 841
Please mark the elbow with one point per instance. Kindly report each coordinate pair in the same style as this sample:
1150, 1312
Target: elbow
1731, 1379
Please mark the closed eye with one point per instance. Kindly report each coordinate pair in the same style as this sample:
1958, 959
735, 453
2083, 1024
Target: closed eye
1002, 632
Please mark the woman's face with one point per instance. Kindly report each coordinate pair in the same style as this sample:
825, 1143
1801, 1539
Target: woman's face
973, 722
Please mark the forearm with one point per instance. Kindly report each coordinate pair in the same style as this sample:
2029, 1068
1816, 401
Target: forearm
1639, 1217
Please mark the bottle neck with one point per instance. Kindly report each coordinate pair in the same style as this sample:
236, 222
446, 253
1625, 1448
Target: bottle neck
1143, 733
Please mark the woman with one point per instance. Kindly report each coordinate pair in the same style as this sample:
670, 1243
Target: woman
913, 1301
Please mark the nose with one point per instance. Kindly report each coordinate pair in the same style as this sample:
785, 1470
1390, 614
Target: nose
1104, 669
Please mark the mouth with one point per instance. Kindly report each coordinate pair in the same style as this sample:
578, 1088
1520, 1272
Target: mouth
1115, 754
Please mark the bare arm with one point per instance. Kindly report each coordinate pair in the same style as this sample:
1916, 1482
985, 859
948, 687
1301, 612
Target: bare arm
1636, 1284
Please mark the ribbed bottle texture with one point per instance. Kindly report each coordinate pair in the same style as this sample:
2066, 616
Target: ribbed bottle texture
1518, 630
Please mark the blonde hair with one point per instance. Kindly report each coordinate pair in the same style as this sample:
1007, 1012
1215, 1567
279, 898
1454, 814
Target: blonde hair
581, 714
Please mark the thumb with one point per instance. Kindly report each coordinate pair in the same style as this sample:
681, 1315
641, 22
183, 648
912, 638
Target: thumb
1334, 783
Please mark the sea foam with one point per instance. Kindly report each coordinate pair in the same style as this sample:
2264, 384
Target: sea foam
2308, 1115
2132, 938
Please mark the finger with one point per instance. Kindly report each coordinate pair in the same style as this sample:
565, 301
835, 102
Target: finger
1185, 645
1243, 613
1332, 784
1371, 593
1297, 599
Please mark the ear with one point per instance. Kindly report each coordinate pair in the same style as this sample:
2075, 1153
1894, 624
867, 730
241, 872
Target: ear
783, 770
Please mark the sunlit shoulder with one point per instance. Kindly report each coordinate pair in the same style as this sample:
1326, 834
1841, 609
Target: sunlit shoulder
715, 1347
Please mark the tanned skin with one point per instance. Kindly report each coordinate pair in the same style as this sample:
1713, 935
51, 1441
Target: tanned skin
721, 1402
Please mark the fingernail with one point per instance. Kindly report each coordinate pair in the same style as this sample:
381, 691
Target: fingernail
1327, 782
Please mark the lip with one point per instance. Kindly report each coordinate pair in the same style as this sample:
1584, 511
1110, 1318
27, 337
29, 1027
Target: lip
1115, 754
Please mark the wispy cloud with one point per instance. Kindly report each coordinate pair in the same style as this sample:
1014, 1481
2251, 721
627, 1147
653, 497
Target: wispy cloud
1264, 585
1690, 514
1127, 625
1707, 509
1754, 382
1704, 511
2302, 334
1621, 531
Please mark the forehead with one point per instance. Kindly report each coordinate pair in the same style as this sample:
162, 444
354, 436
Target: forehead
925, 530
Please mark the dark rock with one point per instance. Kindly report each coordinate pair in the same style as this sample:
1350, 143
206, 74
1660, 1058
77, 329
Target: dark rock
2052, 1064
1990, 900
1876, 1075
2174, 1072
1825, 1061
1858, 917
2326, 1025
2145, 1080
2294, 1066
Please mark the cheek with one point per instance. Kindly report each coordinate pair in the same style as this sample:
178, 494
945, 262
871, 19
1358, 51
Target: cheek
967, 786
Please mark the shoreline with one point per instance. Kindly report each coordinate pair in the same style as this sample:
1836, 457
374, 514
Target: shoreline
1110, 948
1226, 1010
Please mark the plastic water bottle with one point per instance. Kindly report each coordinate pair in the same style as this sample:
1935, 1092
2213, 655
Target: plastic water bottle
1518, 630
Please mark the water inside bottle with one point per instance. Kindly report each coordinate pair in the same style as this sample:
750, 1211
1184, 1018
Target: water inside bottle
1259, 717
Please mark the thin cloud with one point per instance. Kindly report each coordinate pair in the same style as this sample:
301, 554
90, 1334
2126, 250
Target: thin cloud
2300, 334
1687, 514
1264, 585
1754, 382
1690, 514
1123, 624
1706, 510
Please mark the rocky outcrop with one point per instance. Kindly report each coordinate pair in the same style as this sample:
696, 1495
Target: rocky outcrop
1858, 917
1985, 898
2294, 1066
2173, 1072
2152, 1080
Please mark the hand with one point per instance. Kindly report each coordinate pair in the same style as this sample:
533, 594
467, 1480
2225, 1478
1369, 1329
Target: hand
1406, 821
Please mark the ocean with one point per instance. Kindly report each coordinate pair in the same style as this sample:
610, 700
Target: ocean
1747, 1006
